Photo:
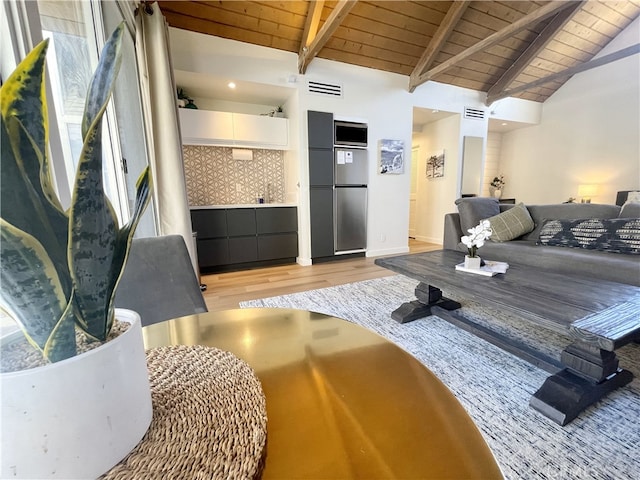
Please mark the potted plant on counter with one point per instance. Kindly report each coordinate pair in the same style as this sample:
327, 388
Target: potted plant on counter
80, 413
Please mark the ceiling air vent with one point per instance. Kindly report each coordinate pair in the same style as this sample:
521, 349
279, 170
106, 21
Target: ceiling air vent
320, 88
473, 113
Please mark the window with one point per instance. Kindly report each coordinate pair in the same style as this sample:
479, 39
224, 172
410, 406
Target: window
77, 31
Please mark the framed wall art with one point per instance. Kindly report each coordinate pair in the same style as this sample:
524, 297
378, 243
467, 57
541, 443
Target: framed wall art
435, 165
391, 156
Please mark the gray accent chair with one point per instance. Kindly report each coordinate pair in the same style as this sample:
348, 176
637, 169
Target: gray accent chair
159, 282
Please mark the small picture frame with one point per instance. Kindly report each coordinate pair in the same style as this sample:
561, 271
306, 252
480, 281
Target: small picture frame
391, 157
435, 165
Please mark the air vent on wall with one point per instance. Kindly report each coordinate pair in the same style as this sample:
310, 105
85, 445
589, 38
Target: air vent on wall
320, 88
473, 113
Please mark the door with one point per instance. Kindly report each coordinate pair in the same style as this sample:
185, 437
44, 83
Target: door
413, 192
351, 166
351, 218
321, 210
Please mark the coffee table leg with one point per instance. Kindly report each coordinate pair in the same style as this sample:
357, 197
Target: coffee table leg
590, 374
427, 296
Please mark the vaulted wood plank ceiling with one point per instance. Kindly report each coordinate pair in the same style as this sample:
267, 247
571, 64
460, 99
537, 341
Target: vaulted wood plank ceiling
524, 49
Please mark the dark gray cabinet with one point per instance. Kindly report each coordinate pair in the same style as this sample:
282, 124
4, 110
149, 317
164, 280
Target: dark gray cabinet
241, 221
237, 238
281, 245
320, 126
276, 220
320, 129
321, 209
320, 168
209, 223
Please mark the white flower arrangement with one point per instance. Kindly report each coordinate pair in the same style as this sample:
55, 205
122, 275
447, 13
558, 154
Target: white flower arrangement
477, 236
498, 182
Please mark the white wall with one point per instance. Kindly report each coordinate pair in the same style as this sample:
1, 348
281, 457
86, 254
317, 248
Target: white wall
589, 134
436, 196
492, 167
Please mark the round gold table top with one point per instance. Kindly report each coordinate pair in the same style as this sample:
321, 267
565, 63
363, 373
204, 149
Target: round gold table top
342, 401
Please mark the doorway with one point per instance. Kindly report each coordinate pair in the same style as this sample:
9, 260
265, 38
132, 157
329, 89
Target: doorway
413, 192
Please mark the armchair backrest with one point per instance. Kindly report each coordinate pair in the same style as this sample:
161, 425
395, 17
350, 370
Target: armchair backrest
159, 282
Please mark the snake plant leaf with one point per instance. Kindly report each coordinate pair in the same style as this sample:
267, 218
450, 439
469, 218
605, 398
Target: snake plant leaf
125, 235
62, 341
23, 97
25, 206
93, 232
103, 80
27, 198
33, 294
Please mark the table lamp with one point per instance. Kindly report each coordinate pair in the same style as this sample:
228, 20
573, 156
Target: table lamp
585, 192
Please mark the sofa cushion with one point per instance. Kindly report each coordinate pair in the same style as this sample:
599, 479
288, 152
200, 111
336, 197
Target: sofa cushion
630, 210
474, 209
511, 224
617, 235
572, 261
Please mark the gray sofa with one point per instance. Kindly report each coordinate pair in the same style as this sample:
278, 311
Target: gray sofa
617, 267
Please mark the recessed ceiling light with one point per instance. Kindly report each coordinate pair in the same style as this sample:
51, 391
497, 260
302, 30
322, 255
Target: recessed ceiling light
231, 85
504, 124
435, 111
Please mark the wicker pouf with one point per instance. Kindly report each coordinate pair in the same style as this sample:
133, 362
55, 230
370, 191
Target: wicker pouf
209, 418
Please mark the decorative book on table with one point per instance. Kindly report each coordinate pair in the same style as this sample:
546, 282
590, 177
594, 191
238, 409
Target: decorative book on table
489, 269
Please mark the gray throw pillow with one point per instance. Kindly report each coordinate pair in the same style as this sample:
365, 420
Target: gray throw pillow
474, 209
511, 224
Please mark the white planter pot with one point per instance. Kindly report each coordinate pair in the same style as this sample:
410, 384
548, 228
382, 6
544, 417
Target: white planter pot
79, 417
471, 262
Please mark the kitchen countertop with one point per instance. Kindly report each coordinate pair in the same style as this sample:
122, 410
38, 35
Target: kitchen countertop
242, 205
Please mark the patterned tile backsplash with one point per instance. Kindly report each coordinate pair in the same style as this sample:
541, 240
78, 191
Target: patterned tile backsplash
215, 178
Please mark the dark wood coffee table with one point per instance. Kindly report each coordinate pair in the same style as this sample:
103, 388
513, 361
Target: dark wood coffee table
599, 315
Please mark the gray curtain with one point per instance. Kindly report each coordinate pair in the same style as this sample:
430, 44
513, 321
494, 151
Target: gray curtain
162, 125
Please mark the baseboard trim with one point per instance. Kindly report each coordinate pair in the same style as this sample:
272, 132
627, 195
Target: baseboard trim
387, 251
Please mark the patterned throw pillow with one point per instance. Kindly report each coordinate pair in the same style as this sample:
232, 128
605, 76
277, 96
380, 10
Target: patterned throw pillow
616, 235
511, 224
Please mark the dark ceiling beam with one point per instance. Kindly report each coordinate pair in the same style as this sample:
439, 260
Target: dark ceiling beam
341, 10
533, 18
539, 44
437, 42
598, 62
311, 24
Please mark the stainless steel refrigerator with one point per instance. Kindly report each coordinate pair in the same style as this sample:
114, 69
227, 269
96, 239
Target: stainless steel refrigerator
350, 199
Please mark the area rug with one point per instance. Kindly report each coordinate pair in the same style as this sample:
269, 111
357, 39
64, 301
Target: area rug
495, 386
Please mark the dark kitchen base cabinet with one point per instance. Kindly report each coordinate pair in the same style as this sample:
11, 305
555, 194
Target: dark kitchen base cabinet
244, 238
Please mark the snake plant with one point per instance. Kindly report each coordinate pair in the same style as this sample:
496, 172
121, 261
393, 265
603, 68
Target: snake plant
60, 268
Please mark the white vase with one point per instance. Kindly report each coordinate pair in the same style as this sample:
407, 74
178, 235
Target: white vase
79, 417
471, 262
497, 193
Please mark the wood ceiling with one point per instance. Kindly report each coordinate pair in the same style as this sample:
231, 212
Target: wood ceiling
522, 49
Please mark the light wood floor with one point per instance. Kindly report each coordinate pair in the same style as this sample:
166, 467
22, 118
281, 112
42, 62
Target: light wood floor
226, 290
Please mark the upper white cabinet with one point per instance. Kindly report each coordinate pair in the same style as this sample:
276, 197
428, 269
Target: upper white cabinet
260, 129
203, 127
